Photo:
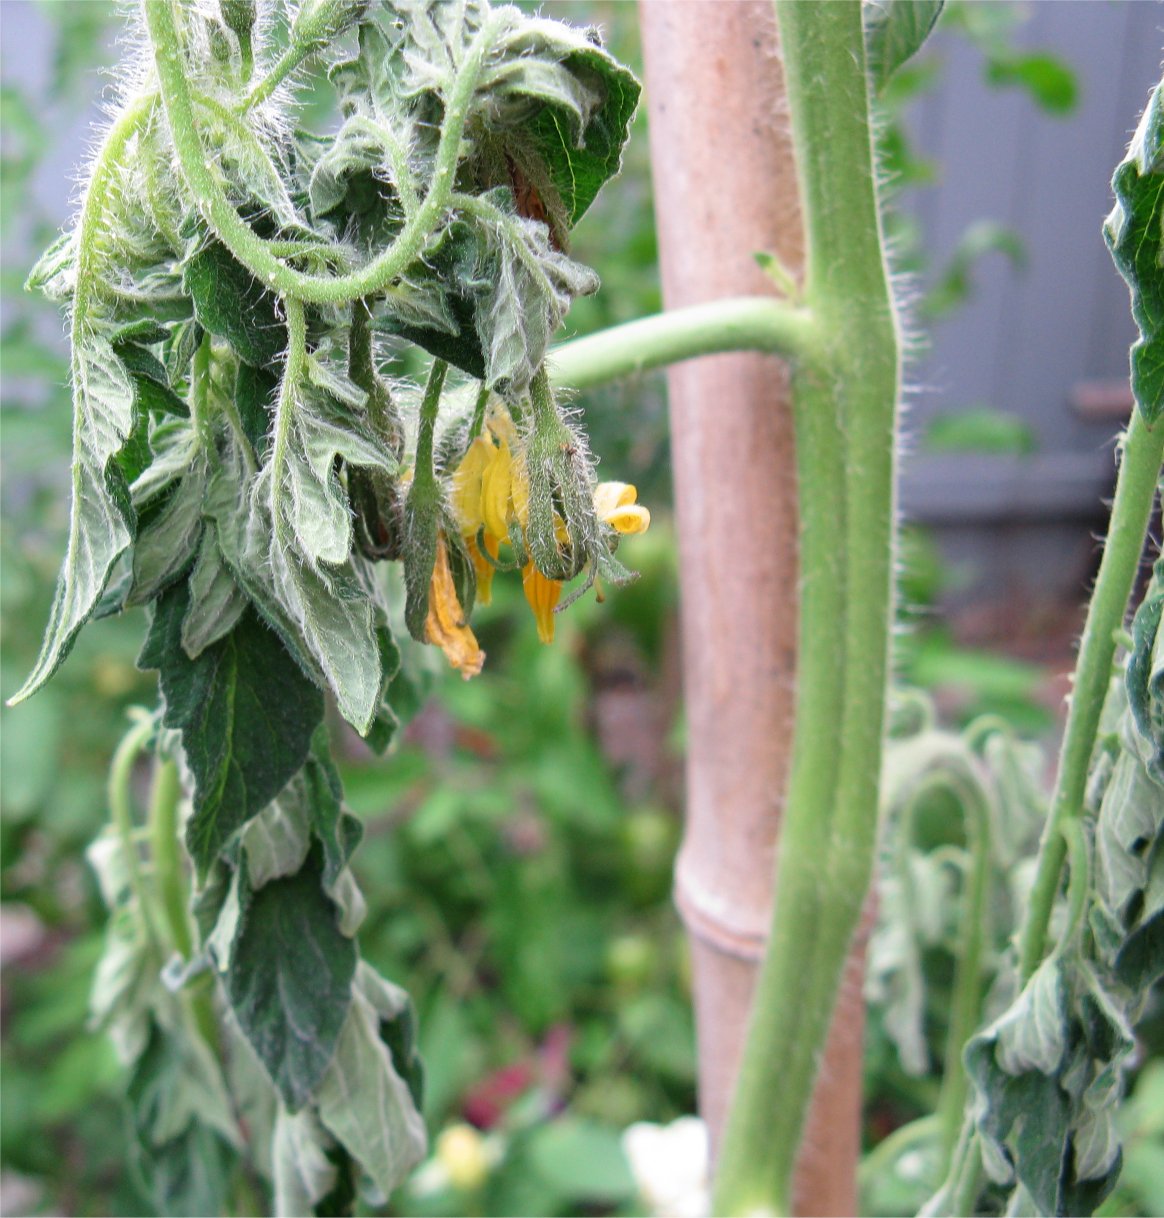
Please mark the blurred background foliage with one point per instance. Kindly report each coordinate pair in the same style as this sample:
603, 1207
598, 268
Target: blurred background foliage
519, 842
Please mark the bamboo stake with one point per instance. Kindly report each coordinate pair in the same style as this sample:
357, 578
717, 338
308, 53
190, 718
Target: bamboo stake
725, 188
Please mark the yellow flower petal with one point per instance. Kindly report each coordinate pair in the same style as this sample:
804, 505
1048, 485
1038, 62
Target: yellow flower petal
445, 625
630, 519
496, 484
483, 567
615, 504
467, 483
543, 594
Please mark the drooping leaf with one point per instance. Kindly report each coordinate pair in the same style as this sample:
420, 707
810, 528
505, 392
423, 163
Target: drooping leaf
363, 1100
101, 519
151, 381
168, 543
216, 600
1145, 671
230, 302
895, 30
185, 1133
1135, 235
562, 106
290, 978
55, 272
308, 1165
322, 429
246, 714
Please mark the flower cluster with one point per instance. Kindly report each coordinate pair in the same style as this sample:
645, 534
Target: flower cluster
491, 502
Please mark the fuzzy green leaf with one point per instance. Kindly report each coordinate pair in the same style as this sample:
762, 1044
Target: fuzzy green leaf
55, 272
290, 979
182, 1118
216, 601
1145, 671
168, 543
1135, 235
151, 381
322, 429
895, 30
363, 1100
101, 518
230, 302
246, 714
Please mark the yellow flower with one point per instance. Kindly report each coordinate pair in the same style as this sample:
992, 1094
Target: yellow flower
615, 504
445, 625
543, 594
491, 491
467, 485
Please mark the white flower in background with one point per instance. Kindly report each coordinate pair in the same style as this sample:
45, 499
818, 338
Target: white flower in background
670, 1166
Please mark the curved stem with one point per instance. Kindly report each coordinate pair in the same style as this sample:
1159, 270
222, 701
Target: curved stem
423, 475
169, 877
170, 885
121, 812
882, 1157
966, 996
1131, 511
746, 323
250, 249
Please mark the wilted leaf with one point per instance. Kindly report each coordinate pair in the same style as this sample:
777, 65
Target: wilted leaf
1135, 235
246, 714
290, 979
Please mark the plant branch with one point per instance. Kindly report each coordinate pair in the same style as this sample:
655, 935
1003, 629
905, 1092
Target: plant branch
121, 811
845, 401
743, 323
1139, 472
250, 249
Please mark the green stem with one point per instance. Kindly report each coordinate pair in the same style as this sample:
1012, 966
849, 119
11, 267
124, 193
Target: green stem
966, 997
292, 57
170, 886
121, 812
200, 395
882, 1157
477, 422
845, 398
424, 475
169, 877
746, 323
1131, 511
250, 249
293, 373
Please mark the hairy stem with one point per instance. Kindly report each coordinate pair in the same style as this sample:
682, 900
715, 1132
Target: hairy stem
1131, 511
173, 897
242, 241
966, 996
747, 323
845, 397
429, 409
121, 812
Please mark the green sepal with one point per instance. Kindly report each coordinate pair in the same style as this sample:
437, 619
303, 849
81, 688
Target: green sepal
1135, 235
246, 714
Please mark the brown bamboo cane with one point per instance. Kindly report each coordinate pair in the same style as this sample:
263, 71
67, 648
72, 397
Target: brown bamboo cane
725, 187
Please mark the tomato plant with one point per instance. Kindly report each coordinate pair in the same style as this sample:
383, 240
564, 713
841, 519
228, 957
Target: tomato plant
239, 286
